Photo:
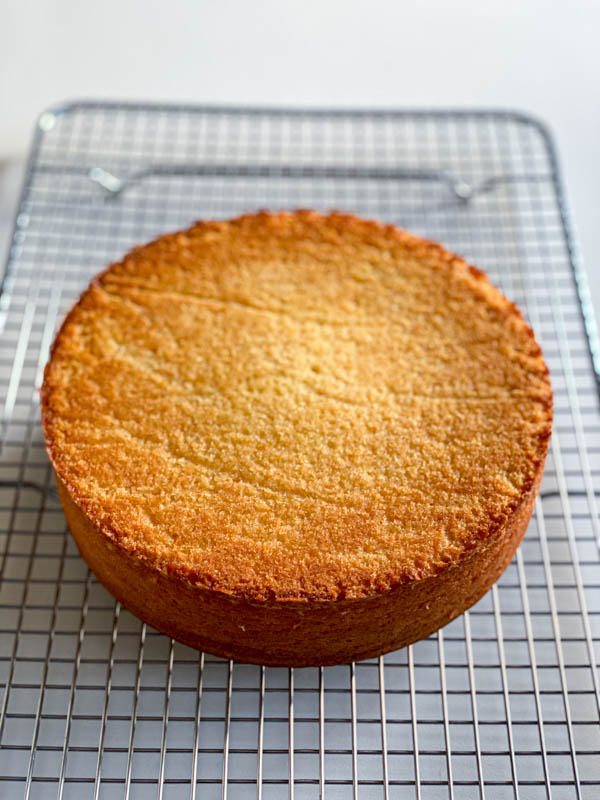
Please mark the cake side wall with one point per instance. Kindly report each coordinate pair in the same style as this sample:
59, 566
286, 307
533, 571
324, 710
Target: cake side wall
295, 633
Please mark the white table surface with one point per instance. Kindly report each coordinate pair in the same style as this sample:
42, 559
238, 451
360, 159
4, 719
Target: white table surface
538, 56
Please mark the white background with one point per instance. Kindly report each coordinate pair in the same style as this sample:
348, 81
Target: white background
540, 57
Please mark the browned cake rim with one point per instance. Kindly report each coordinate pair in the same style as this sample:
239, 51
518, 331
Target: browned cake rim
485, 536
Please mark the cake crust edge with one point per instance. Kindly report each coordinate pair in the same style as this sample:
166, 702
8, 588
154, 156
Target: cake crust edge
295, 632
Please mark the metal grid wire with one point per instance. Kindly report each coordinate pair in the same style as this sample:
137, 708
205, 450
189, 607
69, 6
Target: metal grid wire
502, 703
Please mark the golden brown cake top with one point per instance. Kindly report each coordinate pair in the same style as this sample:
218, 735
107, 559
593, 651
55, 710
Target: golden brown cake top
296, 406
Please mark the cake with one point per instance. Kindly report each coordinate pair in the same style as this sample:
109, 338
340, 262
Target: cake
296, 439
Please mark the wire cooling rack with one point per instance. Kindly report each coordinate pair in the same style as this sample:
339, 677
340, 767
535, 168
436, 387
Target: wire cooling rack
502, 703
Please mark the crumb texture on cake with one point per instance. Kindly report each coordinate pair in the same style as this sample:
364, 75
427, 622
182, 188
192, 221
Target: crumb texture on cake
296, 406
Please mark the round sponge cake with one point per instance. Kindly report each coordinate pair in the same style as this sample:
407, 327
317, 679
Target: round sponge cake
296, 439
